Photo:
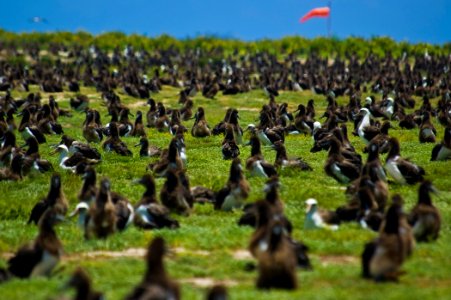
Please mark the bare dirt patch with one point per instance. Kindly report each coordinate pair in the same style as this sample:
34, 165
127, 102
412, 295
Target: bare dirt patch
207, 282
242, 255
338, 259
137, 104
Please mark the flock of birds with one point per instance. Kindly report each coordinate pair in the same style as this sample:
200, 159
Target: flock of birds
101, 211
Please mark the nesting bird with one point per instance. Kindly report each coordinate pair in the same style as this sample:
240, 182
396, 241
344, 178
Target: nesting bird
147, 150
402, 170
256, 164
284, 162
318, 218
149, 214
236, 191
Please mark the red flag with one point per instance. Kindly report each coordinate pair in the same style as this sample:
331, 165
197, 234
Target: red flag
322, 12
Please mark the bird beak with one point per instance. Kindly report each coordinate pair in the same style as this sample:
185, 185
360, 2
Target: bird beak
136, 181
247, 144
137, 145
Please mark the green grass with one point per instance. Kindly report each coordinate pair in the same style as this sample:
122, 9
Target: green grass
210, 238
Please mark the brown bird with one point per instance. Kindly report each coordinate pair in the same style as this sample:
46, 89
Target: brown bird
427, 130
442, 151
82, 284
382, 258
283, 161
174, 195
55, 199
147, 150
114, 143
138, 128
39, 257
230, 148
256, 164
273, 250
236, 190
425, 218
200, 127
149, 214
101, 220
400, 169
156, 283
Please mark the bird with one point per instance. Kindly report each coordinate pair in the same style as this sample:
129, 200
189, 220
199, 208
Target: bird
427, 130
82, 284
381, 140
147, 150
70, 163
91, 129
402, 170
217, 292
138, 127
337, 166
272, 196
236, 191
276, 256
171, 161
230, 149
200, 127
156, 284
76, 146
318, 218
55, 200
149, 213
114, 143
268, 136
256, 164
101, 219
86, 196
174, 195
425, 218
39, 257
442, 151
282, 160
383, 257
365, 131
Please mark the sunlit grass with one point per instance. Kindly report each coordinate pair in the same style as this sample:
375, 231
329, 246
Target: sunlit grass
428, 271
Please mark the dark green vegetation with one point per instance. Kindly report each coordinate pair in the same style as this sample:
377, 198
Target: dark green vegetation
209, 244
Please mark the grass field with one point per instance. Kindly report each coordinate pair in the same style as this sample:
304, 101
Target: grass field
209, 245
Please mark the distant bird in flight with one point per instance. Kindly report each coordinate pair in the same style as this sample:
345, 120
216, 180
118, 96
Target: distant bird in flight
38, 20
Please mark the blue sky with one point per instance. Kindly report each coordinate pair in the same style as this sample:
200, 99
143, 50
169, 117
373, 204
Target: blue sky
413, 21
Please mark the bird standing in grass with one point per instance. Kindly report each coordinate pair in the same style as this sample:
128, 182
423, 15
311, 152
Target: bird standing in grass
55, 199
39, 257
156, 283
101, 220
425, 218
236, 191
